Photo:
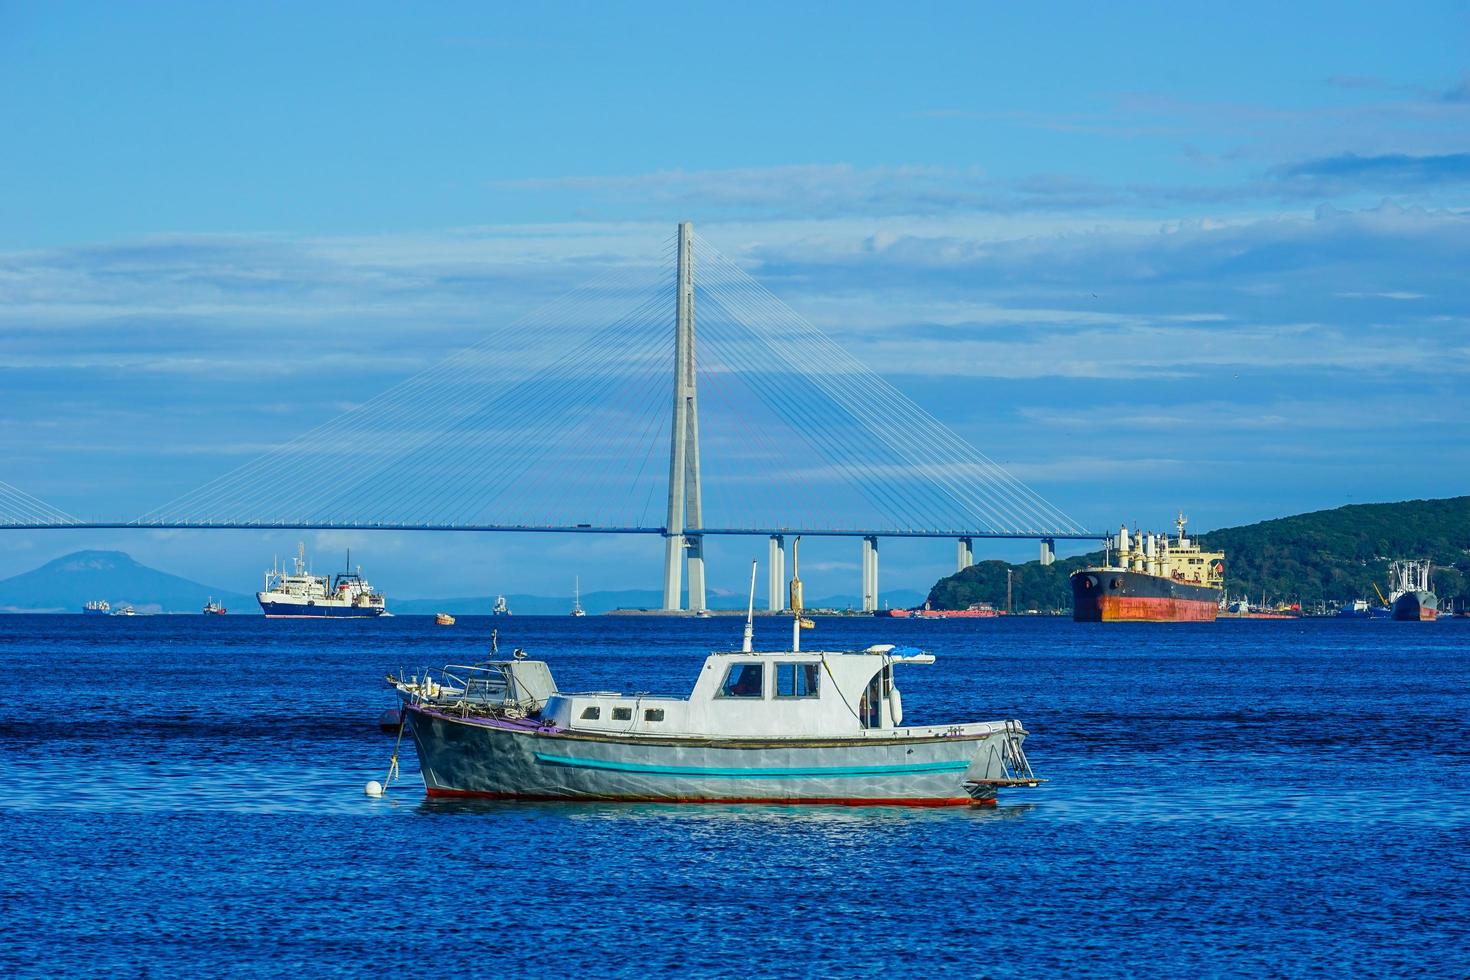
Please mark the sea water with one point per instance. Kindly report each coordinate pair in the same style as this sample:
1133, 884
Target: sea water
184, 796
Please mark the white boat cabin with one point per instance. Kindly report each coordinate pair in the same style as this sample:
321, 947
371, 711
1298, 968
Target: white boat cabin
757, 694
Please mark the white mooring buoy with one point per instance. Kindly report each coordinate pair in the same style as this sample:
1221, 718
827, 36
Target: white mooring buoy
373, 788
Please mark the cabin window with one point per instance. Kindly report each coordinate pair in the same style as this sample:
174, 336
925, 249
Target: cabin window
591, 714
653, 714
742, 681
797, 680
622, 714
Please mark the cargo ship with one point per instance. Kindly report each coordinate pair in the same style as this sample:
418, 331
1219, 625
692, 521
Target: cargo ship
1413, 597
300, 595
97, 607
1148, 578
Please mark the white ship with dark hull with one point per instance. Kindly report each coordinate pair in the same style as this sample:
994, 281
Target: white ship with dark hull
298, 594
1413, 597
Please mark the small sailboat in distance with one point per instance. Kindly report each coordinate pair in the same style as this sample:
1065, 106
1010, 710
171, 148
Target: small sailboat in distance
577, 609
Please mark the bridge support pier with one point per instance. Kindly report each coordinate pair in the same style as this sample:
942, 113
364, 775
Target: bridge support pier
776, 572
1048, 551
673, 570
694, 554
964, 555
870, 573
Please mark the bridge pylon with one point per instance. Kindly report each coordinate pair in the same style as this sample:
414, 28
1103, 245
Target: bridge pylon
683, 544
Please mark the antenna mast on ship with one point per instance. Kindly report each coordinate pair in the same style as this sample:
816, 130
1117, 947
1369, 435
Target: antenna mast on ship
746, 646
798, 621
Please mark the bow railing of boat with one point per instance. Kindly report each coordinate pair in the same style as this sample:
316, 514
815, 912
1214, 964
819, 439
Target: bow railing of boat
468, 689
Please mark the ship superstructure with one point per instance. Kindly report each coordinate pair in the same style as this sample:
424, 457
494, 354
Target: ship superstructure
298, 594
97, 607
1413, 595
1148, 577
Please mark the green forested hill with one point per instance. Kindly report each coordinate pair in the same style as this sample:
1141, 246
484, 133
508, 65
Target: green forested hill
1329, 554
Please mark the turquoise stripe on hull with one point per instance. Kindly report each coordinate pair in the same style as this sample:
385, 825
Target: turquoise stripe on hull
703, 771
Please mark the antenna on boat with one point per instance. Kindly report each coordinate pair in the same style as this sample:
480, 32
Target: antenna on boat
796, 620
750, 614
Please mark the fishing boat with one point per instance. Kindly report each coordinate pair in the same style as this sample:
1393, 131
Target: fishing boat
577, 609
97, 607
1357, 609
759, 726
443, 619
125, 611
212, 608
298, 594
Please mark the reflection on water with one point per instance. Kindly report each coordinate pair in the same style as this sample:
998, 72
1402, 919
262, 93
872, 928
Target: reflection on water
692, 814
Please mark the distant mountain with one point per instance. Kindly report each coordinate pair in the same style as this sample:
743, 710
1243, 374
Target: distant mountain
1329, 554
602, 602
66, 583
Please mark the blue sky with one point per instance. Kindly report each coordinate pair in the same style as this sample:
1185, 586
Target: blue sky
1147, 258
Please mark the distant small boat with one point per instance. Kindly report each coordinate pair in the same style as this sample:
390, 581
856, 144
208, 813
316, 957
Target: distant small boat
97, 607
443, 619
212, 608
500, 608
1357, 609
577, 609
124, 611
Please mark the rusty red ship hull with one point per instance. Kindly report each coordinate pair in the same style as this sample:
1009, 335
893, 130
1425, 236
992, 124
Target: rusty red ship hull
1111, 595
987, 613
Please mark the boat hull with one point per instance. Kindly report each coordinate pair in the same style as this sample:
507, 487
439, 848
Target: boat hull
521, 760
274, 609
1103, 595
1416, 607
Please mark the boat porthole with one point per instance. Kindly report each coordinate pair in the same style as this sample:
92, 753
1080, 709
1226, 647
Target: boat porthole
1114, 584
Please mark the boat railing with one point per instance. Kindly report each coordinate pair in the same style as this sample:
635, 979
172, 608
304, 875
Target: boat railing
479, 689
476, 684
624, 695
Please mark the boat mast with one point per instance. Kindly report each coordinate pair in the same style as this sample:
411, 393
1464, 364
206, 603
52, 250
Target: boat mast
795, 597
750, 615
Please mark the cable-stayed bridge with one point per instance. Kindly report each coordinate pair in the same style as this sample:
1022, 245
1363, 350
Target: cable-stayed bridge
679, 398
